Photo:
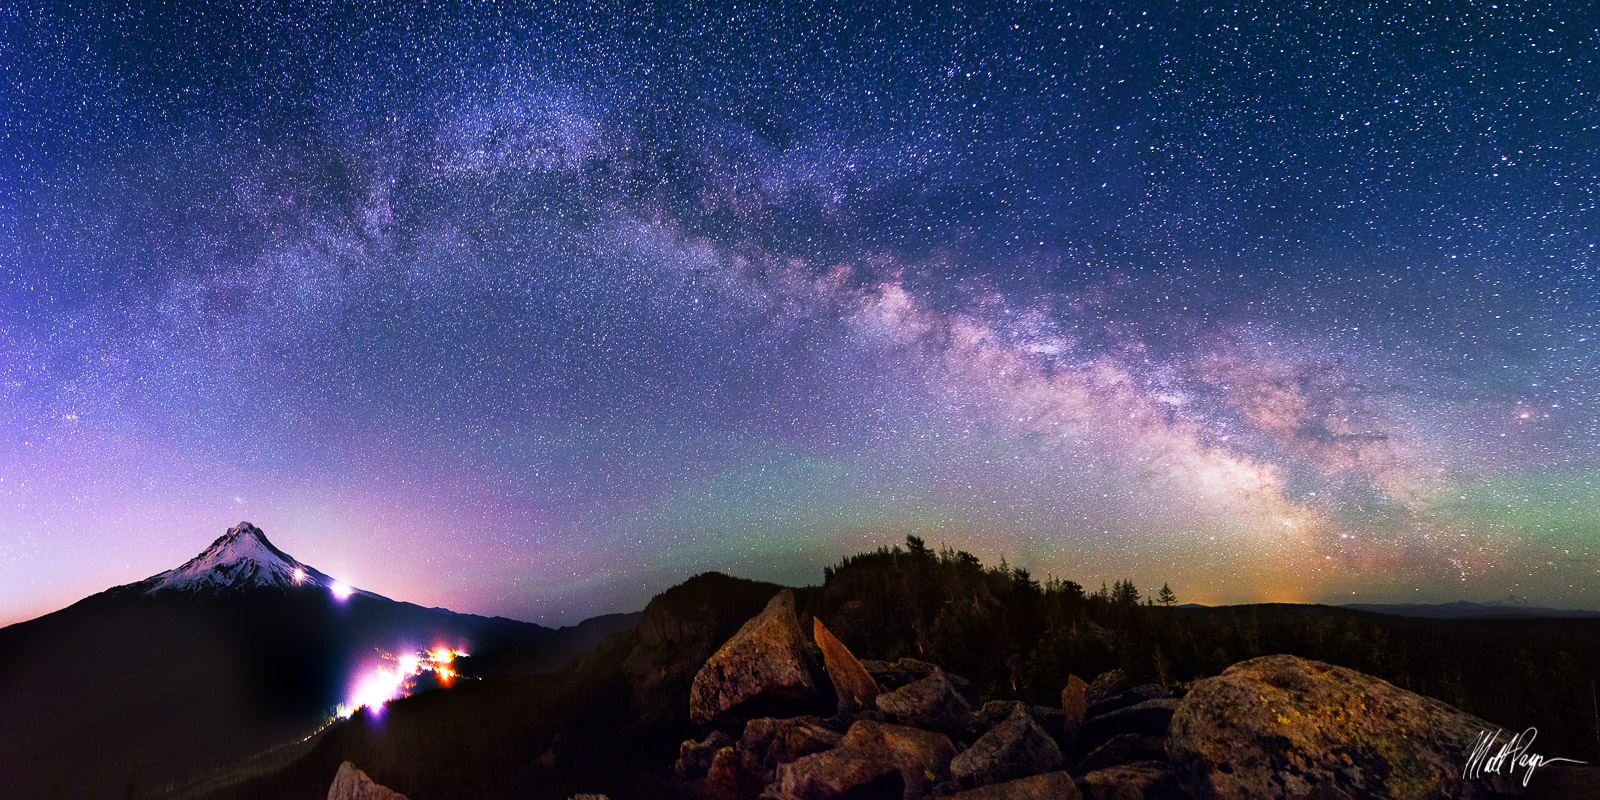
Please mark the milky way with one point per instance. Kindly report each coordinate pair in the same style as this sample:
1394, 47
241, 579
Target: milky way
536, 311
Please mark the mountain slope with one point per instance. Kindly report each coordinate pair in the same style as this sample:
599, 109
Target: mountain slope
239, 650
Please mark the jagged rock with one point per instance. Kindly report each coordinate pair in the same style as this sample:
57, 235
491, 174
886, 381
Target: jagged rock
873, 759
353, 784
1128, 697
1050, 786
851, 682
764, 668
1122, 700
932, 702
1105, 685
679, 630
1074, 701
1012, 749
995, 712
1282, 726
1152, 691
694, 758
736, 775
1124, 748
1145, 780
775, 742
1150, 717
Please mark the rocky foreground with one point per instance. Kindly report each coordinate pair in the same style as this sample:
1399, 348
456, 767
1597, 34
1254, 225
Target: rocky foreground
791, 716
1278, 726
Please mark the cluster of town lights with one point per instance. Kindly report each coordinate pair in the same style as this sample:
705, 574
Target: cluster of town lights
397, 678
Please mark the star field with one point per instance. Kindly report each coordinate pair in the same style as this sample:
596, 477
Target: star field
535, 310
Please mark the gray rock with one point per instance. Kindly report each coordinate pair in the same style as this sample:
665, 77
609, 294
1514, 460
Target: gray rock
873, 759
1015, 748
736, 775
1050, 786
353, 784
694, 758
1146, 780
775, 742
1105, 685
763, 669
1282, 726
932, 702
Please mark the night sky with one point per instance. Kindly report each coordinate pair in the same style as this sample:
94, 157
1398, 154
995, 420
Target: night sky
538, 310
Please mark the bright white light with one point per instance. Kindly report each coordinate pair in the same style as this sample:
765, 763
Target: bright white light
396, 678
340, 591
299, 576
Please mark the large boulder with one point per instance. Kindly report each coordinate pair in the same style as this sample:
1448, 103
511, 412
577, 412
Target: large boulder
764, 669
932, 702
350, 783
851, 682
1050, 786
1014, 748
1145, 780
875, 759
775, 742
1282, 726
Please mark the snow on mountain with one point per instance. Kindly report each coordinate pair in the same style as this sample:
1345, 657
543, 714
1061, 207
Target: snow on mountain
242, 558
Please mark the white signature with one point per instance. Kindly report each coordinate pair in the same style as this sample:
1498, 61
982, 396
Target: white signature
1513, 754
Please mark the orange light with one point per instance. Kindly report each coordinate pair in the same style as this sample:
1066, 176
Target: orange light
385, 683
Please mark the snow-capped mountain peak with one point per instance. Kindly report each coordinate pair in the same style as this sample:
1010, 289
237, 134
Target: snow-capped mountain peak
242, 558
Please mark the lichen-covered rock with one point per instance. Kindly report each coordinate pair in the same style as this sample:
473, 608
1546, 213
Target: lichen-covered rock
1105, 685
694, 758
350, 783
1145, 780
1282, 726
736, 775
872, 758
995, 712
775, 742
932, 702
1124, 748
1050, 786
1014, 748
764, 668
851, 682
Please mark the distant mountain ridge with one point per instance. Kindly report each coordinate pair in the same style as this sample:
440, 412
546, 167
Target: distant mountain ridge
1466, 609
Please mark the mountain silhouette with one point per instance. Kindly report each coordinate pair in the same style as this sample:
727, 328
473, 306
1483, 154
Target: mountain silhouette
237, 656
